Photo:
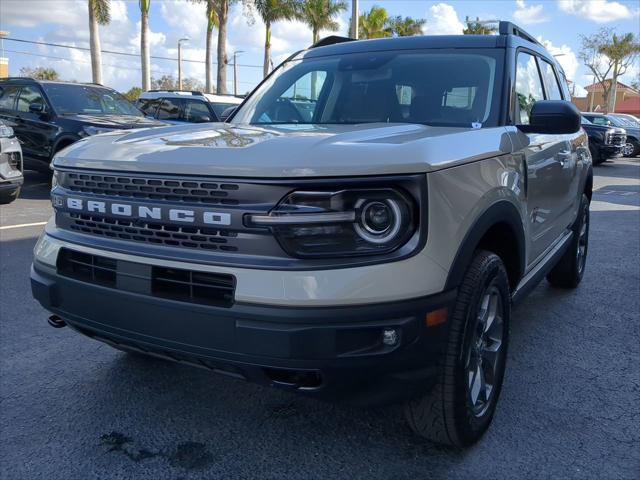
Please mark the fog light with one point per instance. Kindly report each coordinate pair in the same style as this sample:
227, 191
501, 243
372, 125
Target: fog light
390, 336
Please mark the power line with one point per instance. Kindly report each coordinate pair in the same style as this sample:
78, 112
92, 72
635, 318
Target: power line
112, 52
54, 57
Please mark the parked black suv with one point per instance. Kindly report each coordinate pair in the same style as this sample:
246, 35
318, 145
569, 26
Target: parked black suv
47, 116
605, 142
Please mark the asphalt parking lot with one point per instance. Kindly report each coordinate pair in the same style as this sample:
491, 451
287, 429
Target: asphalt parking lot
72, 408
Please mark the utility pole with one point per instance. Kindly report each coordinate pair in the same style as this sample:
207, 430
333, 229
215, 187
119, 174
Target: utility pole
355, 16
185, 39
235, 71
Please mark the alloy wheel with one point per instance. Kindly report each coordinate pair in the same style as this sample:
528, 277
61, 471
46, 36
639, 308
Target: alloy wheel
484, 353
583, 239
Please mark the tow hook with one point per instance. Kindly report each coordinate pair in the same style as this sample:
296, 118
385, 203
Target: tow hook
56, 322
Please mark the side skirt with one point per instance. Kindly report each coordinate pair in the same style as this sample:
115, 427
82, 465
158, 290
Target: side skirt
537, 273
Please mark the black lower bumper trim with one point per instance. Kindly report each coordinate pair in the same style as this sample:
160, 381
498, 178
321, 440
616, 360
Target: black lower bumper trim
328, 352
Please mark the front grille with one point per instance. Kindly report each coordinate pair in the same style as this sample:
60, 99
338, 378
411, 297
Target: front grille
152, 188
616, 139
153, 233
182, 285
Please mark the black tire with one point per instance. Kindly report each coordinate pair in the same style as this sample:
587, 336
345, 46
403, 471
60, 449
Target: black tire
568, 272
636, 147
596, 159
448, 414
8, 197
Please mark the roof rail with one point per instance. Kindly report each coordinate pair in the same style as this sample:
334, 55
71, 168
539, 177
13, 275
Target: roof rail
331, 40
192, 92
19, 78
509, 28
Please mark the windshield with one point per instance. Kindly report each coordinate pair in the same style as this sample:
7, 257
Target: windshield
69, 98
433, 87
624, 121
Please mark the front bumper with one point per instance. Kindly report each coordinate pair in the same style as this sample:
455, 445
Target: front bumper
328, 352
611, 151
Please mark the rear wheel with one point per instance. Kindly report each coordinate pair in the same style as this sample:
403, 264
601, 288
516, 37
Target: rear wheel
461, 406
569, 270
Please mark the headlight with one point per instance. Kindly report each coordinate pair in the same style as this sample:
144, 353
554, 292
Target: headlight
311, 224
95, 130
54, 180
5, 131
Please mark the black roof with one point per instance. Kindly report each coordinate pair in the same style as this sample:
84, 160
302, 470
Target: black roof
27, 80
509, 35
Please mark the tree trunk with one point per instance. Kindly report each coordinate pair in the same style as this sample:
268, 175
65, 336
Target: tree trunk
314, 75
144, 50
223, 15
611, 103
94, 42
208, 76
267, 49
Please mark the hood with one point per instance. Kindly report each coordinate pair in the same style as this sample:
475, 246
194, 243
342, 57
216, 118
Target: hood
220, 149
114, 121
592, 127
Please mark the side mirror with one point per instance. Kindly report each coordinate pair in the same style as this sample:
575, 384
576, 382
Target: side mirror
553, 117
36, 107
203, 119
227, 113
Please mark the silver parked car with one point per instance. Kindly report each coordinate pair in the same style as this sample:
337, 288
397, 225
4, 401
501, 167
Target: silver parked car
11, 178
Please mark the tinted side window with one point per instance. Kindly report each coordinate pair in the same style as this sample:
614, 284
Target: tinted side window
600, 121
8, 96
550, 81
29, 95
148, 106
170, 109
528, 87
196, 111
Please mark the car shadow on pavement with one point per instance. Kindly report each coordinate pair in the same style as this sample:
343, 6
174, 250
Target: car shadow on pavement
37, 185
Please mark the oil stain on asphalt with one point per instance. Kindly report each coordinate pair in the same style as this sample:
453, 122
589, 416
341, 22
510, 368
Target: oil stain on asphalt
187, 455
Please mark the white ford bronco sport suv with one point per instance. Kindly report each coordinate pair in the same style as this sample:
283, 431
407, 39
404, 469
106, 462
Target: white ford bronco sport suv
358, 230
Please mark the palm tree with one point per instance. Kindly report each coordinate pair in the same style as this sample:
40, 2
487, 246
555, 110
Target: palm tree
319, 15
373, 24
98, 15
405, 27
272, 11
144, 44
212, 22
222, 12
477, 27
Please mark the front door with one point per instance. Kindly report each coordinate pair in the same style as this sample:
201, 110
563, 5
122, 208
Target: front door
547, 158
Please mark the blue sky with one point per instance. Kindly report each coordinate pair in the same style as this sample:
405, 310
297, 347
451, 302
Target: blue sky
557, 22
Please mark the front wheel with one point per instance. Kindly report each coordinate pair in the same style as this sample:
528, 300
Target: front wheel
569, 270
461, 406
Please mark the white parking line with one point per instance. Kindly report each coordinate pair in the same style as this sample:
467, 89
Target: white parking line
23, 225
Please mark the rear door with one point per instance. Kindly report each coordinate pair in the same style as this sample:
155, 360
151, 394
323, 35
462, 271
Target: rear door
33, 124
544, 157
197, 111
170, 110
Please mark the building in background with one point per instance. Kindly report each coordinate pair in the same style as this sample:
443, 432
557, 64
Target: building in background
4, 61
627, 99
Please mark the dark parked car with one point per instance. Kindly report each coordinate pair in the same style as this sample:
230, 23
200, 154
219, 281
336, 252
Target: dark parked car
47, 116
604, 141
632, 146
175, 106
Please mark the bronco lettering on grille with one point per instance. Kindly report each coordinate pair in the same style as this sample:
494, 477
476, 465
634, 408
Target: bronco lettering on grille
141, 211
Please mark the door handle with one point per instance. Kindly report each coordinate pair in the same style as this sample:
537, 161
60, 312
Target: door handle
564, 157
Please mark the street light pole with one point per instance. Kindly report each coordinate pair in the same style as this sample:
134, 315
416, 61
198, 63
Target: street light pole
235, 71
355, 16
185, 39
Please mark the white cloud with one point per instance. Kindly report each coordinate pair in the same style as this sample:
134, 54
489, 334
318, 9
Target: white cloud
18, 13
442, 19
565, 56
599, 11
529, 15
186, 18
